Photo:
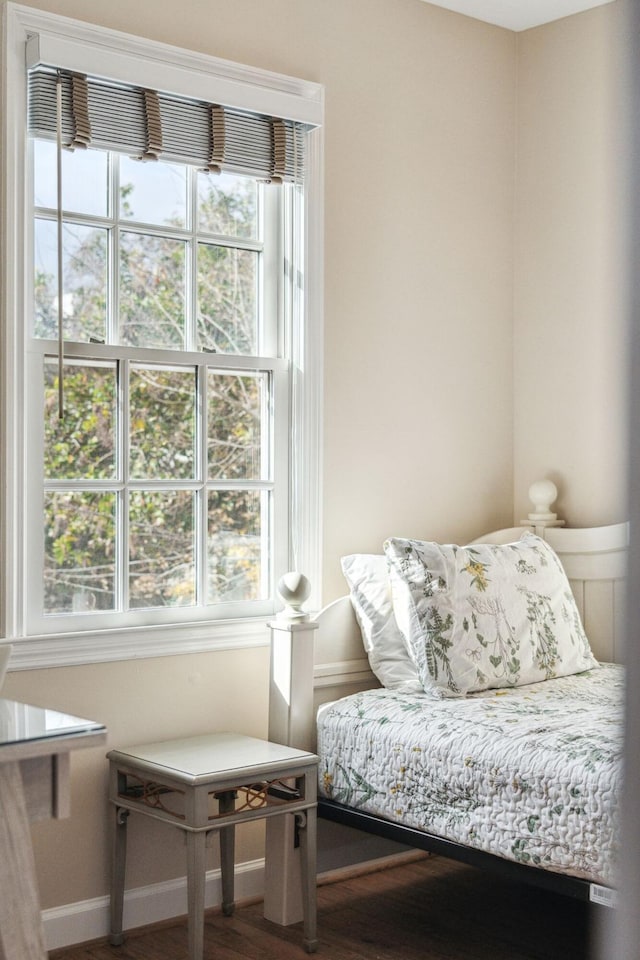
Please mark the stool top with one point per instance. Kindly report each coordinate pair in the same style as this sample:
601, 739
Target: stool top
213, 756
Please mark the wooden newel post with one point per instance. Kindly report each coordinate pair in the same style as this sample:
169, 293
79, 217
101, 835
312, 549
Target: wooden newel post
291, 674
290, 723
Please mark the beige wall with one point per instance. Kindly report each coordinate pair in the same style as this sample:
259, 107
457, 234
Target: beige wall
569, 360
419, 297
419, 285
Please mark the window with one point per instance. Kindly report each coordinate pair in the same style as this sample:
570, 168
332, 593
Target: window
174, 490
162, 475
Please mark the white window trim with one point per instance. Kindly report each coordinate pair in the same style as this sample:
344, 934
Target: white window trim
85, 47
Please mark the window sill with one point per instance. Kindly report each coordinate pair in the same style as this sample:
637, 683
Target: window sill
137, 643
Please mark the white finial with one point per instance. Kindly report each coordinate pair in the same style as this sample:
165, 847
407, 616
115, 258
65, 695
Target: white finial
542, 494
293, 588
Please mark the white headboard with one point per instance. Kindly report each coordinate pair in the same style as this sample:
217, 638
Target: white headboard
595, 560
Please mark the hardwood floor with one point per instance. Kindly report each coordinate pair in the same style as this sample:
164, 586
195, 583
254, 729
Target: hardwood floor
433, 909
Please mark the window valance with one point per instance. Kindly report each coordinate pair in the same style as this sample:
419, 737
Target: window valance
153, 125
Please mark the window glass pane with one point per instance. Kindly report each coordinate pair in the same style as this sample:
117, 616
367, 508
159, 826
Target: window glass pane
227, 300
161, 548
162, 405
228, 205
84, 303
82, 444
79, 564
153, 192
84, 179
152, 291
235, 546
234, 429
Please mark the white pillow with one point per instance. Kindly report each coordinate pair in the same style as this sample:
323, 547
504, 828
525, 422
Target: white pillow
486, 615
368, 579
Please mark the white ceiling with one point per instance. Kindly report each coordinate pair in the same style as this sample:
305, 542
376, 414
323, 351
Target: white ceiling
518, 14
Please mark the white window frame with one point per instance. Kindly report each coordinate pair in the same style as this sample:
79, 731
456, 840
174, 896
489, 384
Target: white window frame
75, 45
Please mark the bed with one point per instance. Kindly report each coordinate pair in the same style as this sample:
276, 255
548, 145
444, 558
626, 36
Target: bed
518, 775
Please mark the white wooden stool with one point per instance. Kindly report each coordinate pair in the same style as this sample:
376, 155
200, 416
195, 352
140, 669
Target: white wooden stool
193, 784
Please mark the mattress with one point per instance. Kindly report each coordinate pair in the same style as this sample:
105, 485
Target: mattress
531, 773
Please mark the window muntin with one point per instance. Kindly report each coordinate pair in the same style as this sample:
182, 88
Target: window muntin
160, 488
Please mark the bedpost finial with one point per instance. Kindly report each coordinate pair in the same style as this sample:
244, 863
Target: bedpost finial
293, 589
542, 494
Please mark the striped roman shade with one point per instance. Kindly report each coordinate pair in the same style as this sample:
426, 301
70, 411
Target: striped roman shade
156, 125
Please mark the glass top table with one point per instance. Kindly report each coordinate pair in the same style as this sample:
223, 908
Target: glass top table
35, 743
21, 723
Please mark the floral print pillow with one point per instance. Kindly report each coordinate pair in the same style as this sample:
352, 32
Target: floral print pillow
485, 615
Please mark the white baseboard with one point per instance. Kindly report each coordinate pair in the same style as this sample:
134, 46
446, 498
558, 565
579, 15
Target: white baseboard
89, 919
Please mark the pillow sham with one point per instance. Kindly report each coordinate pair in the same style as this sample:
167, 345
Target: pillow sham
485, 615
368, 578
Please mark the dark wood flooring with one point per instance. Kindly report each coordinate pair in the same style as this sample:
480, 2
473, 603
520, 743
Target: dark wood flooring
433, 909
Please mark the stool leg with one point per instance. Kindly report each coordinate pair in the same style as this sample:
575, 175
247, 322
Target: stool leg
226, 803
196, 862
118, 864
307, 831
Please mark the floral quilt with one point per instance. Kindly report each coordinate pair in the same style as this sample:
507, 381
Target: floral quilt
530, 773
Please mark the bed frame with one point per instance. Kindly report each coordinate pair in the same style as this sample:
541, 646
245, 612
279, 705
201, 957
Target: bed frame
320, 660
